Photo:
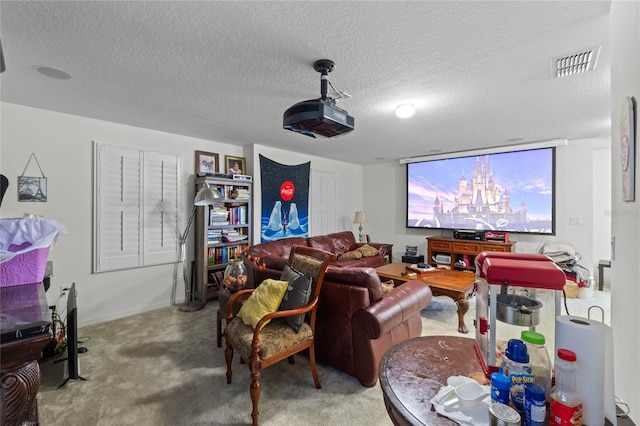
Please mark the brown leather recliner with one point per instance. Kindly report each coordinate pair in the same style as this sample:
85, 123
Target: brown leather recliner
357, 323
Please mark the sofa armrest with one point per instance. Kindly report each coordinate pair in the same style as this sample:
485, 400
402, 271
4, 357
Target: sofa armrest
394, 308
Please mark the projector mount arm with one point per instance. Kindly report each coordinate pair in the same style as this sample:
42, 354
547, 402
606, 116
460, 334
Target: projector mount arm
324, 67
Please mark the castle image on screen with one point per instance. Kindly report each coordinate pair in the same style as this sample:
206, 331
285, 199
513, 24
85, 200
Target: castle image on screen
507, 191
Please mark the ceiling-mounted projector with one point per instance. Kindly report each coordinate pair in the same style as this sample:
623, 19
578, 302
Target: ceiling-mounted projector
318, 117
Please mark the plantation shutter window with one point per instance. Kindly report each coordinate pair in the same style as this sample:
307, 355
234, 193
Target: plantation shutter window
136, 198
161, 215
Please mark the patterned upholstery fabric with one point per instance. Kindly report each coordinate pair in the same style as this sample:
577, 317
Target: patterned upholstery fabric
275, 337
308, 264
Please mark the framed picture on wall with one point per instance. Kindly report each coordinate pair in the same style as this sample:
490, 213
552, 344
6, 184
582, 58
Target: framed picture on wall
32, 188
235, 165
206, 163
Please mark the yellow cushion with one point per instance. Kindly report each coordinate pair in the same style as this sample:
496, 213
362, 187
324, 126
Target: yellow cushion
264, 300
367, 250
350, 255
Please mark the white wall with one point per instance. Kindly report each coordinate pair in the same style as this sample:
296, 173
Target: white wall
601, 184
385, 203
64, 147
625, 217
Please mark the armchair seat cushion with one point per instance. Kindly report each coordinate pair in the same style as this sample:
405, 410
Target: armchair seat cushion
275, 337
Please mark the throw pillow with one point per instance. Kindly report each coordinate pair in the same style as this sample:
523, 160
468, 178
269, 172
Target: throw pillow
367, 250
297, 295
387, 286
264, 300
350, 255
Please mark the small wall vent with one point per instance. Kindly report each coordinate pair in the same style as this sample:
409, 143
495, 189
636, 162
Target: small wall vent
575, 63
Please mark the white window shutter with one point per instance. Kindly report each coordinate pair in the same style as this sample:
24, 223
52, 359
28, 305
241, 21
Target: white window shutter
162, 176
118, 208
136, 195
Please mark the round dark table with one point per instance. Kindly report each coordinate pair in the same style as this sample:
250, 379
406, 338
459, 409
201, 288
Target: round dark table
412, 372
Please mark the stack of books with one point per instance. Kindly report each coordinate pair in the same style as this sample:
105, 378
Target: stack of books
231, 236
240, 193
214, 236
219, 215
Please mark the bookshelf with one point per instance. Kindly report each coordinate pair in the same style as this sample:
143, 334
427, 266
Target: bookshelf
222, 231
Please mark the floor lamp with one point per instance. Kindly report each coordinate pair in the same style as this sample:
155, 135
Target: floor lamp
205, 197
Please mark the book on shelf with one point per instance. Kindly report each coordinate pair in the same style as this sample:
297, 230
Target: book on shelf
219, 215
238, 215
231, 236
214, 236
222, 255
240, 194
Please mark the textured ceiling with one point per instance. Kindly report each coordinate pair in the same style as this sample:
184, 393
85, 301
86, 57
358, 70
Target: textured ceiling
479, 72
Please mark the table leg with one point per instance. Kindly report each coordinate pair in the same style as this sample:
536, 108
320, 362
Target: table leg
463, 307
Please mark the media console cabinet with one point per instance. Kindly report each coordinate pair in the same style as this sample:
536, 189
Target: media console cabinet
451, 253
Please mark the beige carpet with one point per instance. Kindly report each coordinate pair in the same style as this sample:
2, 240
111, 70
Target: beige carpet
163, 368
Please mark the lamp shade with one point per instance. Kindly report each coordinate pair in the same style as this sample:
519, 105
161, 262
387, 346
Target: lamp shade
206, 196
360, 217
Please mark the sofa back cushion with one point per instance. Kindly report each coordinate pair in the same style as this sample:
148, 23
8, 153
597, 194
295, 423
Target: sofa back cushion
277, 248
337, 243
359, 277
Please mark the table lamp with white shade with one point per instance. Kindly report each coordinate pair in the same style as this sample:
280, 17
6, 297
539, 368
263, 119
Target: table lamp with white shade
360, 218
204, 197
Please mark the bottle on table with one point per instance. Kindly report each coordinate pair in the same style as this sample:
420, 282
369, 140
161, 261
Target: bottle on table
535, 407
515, 365
538, 360
500, 388
566, 402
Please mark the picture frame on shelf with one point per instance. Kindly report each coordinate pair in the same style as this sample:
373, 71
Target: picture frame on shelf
206, 163
235, 165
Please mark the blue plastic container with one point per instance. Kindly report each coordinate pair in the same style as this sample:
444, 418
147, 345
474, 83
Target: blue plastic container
500, 387
535, 409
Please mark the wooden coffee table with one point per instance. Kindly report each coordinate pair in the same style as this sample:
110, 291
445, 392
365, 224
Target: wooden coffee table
458, 285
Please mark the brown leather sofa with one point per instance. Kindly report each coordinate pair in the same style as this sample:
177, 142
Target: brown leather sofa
274, 254
356, 322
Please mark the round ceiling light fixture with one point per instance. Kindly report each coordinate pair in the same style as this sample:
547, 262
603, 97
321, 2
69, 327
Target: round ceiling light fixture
405, 110
52, 72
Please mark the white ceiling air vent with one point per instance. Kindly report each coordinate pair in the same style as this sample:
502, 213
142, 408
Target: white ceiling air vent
575, 63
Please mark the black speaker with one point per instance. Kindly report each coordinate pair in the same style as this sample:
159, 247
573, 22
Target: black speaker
413, 258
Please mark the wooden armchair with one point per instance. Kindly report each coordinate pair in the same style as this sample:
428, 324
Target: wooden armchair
265, 345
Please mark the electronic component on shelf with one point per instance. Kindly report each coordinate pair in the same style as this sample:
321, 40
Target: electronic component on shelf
242, 177
496, 236
442, 258
413, 258
464, 234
